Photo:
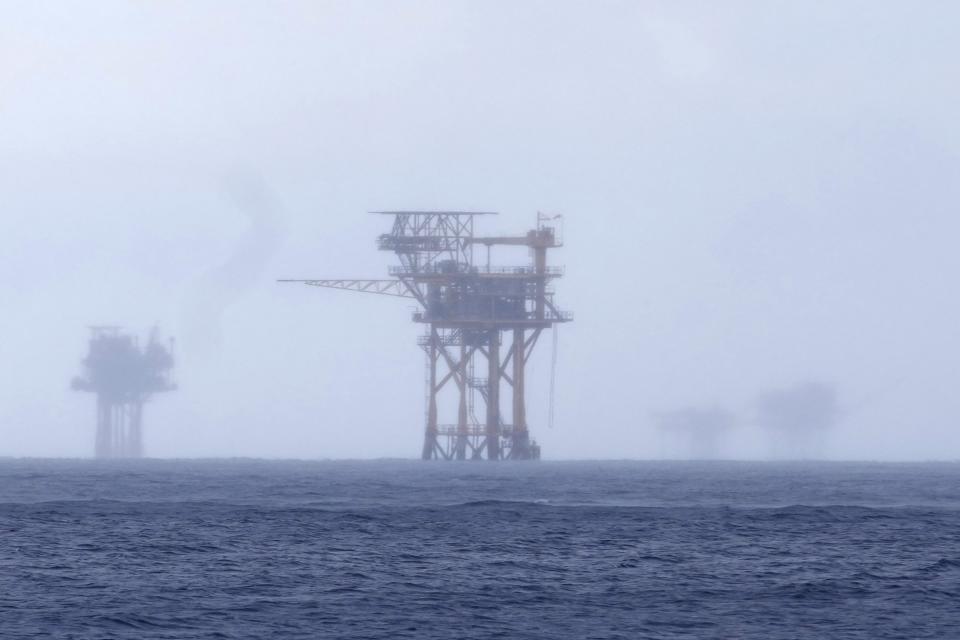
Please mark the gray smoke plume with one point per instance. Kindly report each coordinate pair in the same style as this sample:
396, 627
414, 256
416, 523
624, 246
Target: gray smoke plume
215, 290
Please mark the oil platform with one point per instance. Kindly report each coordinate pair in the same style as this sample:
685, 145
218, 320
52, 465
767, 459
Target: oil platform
474, 315
124, 376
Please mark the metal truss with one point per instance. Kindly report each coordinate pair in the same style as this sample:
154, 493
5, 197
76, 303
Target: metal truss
384, 287
422, 239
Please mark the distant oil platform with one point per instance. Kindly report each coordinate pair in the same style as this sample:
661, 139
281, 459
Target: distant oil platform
799, 418
124, 376
696, 431
470, 311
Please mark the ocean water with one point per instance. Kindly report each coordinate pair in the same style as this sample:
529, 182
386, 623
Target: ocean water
397, 549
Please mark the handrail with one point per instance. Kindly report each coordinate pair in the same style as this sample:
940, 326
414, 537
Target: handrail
433, 270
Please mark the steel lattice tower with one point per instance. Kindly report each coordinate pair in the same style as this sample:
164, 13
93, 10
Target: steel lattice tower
473, 315
124, 376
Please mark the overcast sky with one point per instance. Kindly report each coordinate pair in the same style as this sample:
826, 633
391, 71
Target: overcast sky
756, 194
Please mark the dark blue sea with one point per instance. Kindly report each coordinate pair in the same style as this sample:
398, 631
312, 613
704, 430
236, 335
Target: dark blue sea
395, 549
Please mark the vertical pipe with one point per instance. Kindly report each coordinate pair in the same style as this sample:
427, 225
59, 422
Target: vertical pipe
102, 441
540, 265
108, 436
430, 437
521, 438
118, 432
135, 436
123, 431
127, 430
493, 396
112, 448
462, 432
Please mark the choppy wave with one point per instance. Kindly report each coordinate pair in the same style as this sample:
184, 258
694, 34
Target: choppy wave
398, 550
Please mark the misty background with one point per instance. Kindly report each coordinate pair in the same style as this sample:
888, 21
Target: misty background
756, 195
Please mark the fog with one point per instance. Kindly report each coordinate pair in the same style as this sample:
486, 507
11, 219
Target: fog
756, 196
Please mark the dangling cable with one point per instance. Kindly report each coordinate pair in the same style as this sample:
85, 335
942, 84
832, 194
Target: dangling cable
553, 375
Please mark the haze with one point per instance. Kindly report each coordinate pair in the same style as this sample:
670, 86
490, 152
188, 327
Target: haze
756, 195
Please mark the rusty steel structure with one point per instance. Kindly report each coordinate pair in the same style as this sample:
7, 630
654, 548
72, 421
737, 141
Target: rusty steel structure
475, 316
124, 376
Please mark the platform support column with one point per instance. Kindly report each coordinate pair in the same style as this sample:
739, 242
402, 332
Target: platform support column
135, 435
104, 431
430, 436
462, 428
521, 437
493, 397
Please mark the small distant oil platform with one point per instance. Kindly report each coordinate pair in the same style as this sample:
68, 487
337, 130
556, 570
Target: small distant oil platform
471, 312
695, 432
124, 375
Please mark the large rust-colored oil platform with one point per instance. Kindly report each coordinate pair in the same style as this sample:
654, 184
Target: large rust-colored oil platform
475, 316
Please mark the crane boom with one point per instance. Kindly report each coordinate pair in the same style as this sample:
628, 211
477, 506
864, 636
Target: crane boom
394, 288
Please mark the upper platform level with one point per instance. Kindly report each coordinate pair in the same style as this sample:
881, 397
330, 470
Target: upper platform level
437, 265
119, 368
